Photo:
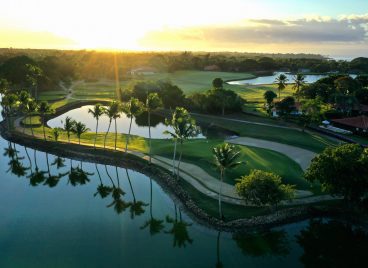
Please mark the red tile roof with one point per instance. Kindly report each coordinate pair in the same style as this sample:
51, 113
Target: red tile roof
357, 122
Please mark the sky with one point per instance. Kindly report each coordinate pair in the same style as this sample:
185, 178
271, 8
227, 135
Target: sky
337, 28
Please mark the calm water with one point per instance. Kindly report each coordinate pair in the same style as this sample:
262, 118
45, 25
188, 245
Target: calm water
271, 79
57, 212
139, 125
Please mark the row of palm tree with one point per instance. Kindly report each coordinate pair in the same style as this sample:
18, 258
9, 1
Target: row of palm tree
281, 80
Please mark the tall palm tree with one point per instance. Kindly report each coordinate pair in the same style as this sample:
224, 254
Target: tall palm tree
97, 111
33, 75
184, 128
79, 129
9, 103
132, 108
153, 102
44, 109
226, 157
68, 126
113, 112
4, 86
177, 116
299, 81
281, 83
31, 108
24, 97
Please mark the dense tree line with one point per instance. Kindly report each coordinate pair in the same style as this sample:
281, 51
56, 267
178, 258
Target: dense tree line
91, 65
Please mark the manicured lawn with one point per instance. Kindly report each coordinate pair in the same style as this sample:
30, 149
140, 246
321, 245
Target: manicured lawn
52, 95
199, 152
35, 120
309, 141
255, 93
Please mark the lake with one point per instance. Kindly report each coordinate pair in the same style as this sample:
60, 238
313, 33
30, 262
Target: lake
271, 79
59, 212
139, 124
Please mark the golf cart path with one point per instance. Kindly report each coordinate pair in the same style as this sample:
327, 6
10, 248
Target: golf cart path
302, 156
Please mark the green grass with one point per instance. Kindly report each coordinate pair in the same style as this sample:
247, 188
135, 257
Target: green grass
309, 141
199, 152
254, 93
52, 95
35, 120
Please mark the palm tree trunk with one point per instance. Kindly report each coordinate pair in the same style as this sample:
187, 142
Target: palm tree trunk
30, 123
223, 110
175, 142
94, 145
108, 129
116, 133
127, 140
279, 94
79, 140
43, 127
181, 153
220, 193
149, 134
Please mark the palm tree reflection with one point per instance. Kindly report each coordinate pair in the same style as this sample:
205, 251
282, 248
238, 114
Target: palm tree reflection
77, 176
179, 230
136, 207
117, 193
155, 225
102, 189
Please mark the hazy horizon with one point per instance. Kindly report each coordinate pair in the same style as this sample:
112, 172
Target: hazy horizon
333, 28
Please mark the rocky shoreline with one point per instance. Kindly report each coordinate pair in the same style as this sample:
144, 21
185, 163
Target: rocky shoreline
167, 182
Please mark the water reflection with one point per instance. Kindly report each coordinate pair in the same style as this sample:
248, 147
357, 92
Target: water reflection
140, 215
268, 243
333, 244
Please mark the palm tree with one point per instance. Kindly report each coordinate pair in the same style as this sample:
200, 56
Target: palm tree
34, 73
30, 109
68, 126
56, 133
177, 116
281, 83
79, 128
226, 156
113, 112
153, 102
97, 111
24, 98
9, 102
4, 86
132, 108
299, 81
184, 128
44, 108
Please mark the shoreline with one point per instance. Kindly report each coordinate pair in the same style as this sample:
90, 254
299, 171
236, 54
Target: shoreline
168, 184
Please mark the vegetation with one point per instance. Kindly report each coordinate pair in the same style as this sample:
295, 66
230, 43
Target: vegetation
263, 188
226, 157
341, 171
97, 111
132, 108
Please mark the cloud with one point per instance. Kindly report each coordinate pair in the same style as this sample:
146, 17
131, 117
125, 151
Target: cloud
20, 38
352, 29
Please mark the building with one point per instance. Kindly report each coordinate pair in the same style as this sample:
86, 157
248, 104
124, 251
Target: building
357, 124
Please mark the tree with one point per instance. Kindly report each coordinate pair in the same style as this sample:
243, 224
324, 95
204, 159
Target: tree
184, 128
299, 81
31, 108
269, 96
226, 157
346, 85
113, 112
9, 103
153, 102
132, 108
33, 75
4, 86
44, 108
79, 128
68, 126
218, 83
286, 106
281, 83
97, 111
56, 133
263, 188
342, 170
313, 111
362, 96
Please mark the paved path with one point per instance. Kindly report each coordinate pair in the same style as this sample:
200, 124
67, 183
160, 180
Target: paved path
301, 156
